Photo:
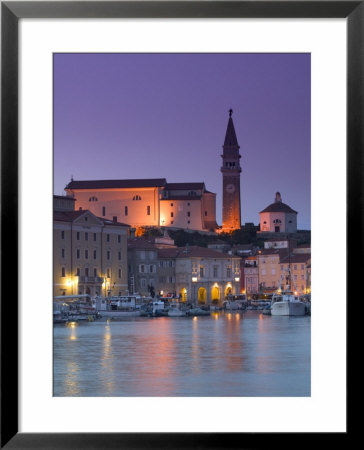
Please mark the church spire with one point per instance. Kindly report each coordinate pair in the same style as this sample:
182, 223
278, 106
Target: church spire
230, 137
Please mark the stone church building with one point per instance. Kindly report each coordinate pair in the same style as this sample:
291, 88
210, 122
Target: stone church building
155, 202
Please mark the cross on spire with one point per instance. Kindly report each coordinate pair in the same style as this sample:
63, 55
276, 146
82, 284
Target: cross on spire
230, 112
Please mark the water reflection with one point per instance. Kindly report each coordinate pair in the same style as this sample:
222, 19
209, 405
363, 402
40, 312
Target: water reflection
107, 360
234, 345
233, 354
71, 379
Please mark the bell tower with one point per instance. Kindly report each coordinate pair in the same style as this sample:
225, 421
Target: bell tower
231, 218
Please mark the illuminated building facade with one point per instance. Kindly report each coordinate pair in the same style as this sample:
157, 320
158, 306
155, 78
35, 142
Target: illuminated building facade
278, 217
89, 255
147, 202
202, 275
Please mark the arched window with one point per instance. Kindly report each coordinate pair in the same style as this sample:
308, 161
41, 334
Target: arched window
148, 210
92, 199
137, 197
126, 210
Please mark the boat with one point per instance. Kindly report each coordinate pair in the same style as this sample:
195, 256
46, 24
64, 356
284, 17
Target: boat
175, 310
198, 312
286, 302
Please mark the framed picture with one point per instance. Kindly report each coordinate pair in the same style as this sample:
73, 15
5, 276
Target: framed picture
38, 41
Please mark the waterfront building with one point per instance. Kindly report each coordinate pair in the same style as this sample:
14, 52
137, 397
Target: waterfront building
269, 268
231, 169
203, 275
251, 275
142, 266
278, 218
148, 202
89, 254
300, 265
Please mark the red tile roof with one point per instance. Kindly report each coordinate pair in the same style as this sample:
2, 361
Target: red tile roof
71, 216
184, 186
115, 184
278, 207
192, 251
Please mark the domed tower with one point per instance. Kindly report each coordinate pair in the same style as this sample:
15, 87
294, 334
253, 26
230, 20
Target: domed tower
231, 217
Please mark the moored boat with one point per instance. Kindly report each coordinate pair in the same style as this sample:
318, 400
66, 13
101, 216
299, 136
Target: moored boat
286, 302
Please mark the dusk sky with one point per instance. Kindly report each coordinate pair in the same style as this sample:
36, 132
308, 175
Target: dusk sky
124, 116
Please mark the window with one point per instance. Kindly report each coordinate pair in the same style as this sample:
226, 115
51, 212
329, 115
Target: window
78, 253
78, 272
295, 277
148, 210
170, 263
160, 263
95, 254
151, 268
302, 277
115, 218
119, 238
108, 273
143, 283
126, 211
119, 256
216, 268
171, 214
192, 193
273, 271
94, 237
188, 221
201, 272
141, 268
137, 197
119, 273
86, 272
103, 211
63, 274
86, 254
295, 267
205, 213
92, 199
62, 234
86, 219
171, 204
188, 214
78, 235
86, 236
171, 222
108, 254
108, 238
264, 271
228, 272
302, 267
63, 252
95, 272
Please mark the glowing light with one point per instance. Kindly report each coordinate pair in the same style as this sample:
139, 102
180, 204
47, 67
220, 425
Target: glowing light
69, 282
216, 285
195, 318
161, 292
194, 279
237, 279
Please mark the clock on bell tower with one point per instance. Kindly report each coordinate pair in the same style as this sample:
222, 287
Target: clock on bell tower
231, 217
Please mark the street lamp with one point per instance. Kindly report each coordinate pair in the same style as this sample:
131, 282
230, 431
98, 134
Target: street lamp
194, 281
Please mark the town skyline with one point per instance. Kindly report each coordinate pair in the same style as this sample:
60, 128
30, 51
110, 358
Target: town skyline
127, 116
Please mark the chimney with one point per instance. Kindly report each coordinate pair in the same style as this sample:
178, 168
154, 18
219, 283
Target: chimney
278, 197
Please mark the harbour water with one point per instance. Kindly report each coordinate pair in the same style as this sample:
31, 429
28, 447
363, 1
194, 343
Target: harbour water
226, 355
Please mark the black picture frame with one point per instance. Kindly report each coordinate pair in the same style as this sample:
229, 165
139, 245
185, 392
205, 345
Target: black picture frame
11, 12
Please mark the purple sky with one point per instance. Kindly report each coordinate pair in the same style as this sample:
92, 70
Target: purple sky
122, 116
